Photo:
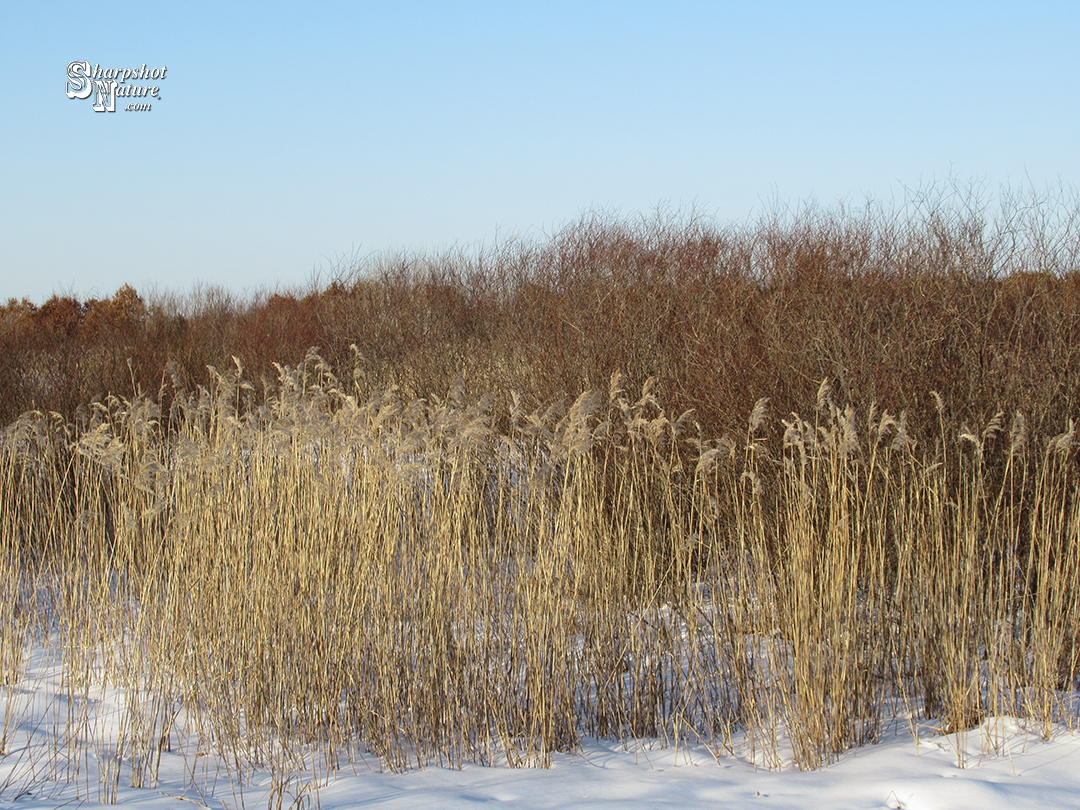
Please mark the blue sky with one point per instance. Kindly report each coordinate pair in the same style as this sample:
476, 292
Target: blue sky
289, 137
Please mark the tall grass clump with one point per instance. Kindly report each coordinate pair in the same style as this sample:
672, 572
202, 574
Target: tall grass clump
296, 579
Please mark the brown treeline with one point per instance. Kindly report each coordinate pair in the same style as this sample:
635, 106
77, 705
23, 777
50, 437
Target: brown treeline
887, 307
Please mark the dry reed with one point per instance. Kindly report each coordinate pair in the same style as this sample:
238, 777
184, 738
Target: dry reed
317, 577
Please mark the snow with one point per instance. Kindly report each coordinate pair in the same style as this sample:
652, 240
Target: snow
893, 774
1002, 765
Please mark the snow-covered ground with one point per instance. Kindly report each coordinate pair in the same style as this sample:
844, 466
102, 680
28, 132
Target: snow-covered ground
1003, 765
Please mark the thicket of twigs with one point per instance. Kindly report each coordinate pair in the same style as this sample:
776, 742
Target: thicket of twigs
943, 294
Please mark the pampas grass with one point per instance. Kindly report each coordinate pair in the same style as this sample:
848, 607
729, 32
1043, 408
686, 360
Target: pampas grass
318, 577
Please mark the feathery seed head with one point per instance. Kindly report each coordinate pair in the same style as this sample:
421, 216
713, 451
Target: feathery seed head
757, 416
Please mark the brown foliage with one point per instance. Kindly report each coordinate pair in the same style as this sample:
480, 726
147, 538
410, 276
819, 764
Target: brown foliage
886, 306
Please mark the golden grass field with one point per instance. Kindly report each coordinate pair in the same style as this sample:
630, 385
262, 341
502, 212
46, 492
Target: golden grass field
321, 573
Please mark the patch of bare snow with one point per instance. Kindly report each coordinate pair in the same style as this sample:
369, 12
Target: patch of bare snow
1002, 765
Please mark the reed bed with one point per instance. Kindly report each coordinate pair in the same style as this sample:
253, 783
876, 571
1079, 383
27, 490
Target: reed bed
312, 578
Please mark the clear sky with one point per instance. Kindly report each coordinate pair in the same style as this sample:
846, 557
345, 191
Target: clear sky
289, 136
